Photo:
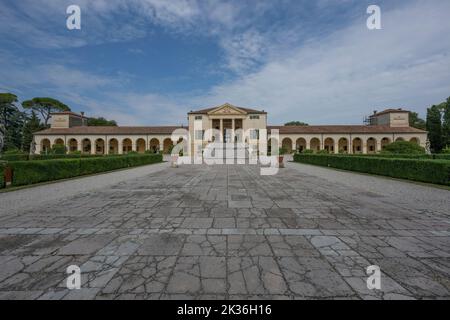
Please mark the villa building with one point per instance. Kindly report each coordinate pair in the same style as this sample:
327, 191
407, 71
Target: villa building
228, 124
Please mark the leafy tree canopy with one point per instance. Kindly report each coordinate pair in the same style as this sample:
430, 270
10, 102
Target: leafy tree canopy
101, 122
434, 128
404, 147
296, 123
7, 99
11, 122
45, 106
446, 125
416, 122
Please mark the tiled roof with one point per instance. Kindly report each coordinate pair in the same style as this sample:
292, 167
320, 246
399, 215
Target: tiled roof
69, 113
389, 111
205, 111
85, 130
343, 129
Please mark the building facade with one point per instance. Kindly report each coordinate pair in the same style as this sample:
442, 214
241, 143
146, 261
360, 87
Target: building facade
228, 124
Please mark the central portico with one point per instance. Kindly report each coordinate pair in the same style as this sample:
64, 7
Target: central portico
227, 124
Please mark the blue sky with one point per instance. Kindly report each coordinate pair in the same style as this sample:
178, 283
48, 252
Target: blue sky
148, 62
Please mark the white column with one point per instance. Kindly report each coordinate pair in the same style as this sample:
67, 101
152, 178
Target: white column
233, 127
364, 147
106, 146
120, 144
93, 149
336, 146
221, 131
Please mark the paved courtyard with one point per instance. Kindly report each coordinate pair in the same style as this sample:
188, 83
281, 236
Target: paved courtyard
207, 232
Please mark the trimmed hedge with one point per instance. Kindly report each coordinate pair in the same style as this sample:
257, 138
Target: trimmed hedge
432, 171
26, 157
440, 156
29, 172
14, 157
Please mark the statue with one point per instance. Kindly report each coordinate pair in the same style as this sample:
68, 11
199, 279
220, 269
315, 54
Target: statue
428, 147
32, 147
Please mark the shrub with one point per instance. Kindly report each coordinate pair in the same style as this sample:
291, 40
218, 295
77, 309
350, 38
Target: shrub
441, 156
307, 151
96, 165
29, 172
58, 149
14, 157
432, 171
403, 147
446, 150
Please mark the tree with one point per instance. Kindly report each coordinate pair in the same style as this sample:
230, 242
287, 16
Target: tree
32, 125
101, 122
416, 122
45, 106
446, 124
11, 122
434, 128
296, 123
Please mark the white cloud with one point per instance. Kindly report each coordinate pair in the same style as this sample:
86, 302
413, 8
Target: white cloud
345, 75
331, 79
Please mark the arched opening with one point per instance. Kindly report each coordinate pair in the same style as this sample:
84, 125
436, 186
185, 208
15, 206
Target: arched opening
45, 145
315, 144
371, 145
127, 145
73, 145
357, 145
154, 145
272, 144
343, 145
113, 146
167, 145
99, 146
86, 146
399, 139
287, 145
140, 145
385, 142
329, 145
300, 145
415, 140
59, 142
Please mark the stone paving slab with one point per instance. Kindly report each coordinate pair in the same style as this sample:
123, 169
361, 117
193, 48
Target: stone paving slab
226, 232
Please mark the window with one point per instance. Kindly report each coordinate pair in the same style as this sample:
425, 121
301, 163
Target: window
199, 134
198, 117
254, 134
254, 117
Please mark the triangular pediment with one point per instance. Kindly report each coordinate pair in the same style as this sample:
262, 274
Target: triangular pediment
227, 109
